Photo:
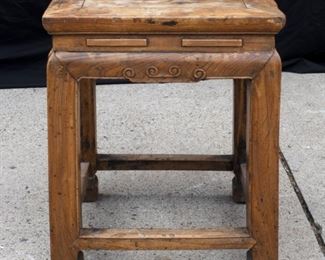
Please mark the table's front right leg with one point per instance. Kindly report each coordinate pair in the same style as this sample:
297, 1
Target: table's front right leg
263, 162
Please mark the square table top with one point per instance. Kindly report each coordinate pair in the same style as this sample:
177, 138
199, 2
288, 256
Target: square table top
163, 16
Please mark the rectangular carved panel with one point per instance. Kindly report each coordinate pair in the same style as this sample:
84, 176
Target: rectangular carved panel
212, 42
164, 43
117, 42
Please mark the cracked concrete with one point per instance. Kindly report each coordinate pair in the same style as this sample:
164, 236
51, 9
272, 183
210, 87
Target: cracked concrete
171, 118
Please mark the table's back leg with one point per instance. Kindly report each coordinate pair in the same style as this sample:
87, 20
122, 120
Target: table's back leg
239, 137
64, 161
262, 163
88, 135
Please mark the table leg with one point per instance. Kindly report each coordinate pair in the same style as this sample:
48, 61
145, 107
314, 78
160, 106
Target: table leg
64, 161
88, 135
263, 162
239, 137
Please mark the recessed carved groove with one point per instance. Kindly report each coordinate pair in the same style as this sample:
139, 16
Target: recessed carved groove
173, 72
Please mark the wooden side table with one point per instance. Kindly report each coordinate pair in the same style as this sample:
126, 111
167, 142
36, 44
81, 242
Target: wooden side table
160, 41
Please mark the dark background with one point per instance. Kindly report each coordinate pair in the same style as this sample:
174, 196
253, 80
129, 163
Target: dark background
24, 44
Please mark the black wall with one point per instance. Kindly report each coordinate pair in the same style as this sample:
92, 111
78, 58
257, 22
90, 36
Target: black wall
24, 44
301, 43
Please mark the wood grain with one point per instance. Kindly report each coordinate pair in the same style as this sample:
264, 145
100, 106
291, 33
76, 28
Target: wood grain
243, 180
117, 42
164, 162
263, 162
164, 43
84, 172
64, 160
163, 67
239, 137
157, 239
88, 137
160, 41
212, 42
217, 16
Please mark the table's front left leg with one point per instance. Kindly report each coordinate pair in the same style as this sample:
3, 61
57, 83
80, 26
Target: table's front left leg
64, 161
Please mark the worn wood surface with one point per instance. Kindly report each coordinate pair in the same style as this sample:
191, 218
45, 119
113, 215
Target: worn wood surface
117, 42
88, 137
239, 136
158, 239
163, 67
243, 180
212, 42
224, 43
217, 16
164, 162
160, 41
262, 160
84, 172
64, 161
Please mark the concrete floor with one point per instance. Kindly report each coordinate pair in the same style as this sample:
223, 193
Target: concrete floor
178, 118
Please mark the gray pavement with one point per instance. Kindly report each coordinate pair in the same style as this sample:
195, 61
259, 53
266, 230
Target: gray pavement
170, 118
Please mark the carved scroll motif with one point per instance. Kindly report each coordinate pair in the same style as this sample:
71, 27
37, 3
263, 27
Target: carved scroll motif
199, 74
128, 73
173, 72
